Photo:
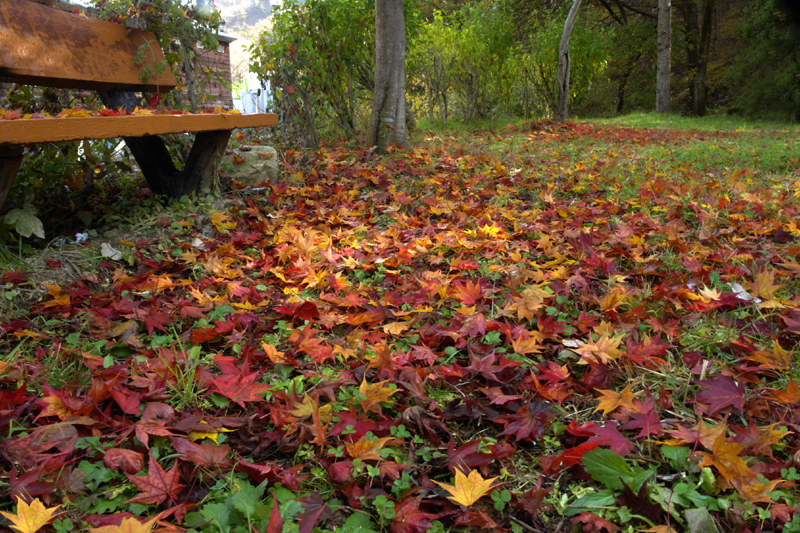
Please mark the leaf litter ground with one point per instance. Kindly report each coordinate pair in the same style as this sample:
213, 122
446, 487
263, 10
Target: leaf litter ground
546, 328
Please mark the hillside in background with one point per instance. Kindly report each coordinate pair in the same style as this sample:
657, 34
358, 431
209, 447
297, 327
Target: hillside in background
243, 15
244, 20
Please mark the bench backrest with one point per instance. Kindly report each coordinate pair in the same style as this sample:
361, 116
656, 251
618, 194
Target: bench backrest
41, 45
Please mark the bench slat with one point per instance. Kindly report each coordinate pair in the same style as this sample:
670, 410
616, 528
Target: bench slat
24, 131
40, 45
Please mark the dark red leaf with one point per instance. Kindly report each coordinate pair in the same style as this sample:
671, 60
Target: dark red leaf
720, 393
315, 510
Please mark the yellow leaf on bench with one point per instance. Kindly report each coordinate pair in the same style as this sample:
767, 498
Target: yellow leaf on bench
76, 112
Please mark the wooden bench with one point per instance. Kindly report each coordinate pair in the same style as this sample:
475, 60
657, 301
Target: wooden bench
41, 45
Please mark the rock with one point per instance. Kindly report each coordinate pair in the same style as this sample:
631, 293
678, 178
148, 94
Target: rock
251, 165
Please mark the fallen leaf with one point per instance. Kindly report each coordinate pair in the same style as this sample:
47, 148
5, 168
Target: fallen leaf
128, 525
468, 489
30, 518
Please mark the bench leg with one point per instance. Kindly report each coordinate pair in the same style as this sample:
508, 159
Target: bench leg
201, 167
10, 160
151, 154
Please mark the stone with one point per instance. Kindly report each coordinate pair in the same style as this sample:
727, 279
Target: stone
251, 165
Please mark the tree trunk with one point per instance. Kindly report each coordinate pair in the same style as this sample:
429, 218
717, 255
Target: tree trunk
155, 161
562, 74
664, 53
704, 48
388, 122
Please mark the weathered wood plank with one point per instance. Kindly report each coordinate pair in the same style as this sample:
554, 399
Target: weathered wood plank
25, 131
40, 45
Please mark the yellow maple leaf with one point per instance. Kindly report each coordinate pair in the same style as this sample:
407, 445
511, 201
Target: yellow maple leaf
660, 529
396, 328
468, 489
211, 435
374, 395
30, 518
222, 221
128, 525
602, 351
307, 407
763, 286
710, 294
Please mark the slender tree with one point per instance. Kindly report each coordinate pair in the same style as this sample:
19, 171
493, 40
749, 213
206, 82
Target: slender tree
388, 122
664, 56
704, 51
562, 74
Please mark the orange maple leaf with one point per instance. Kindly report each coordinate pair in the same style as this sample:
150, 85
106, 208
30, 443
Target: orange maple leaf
610, 400
725, 457
789, 396
613, 299
527, 303
777, 359
277, 358
700, 432
467, 489
366, 449
58, 297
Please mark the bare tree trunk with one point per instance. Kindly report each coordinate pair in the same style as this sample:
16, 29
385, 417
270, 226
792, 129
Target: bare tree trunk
388, 122
664, 53
699, 88
562, 74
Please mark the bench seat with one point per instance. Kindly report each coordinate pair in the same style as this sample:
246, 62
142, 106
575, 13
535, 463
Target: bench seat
25, 131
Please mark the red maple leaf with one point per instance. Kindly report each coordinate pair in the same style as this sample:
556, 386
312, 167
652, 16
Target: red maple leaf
157, 485
649, 422
130, 461
315, 510
469, 293
555, 464
238, 388
719, 394
205, 455
594, 524
409, 519
611, 437
155, 319
530, 422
